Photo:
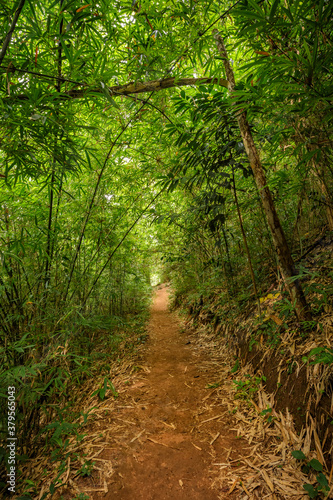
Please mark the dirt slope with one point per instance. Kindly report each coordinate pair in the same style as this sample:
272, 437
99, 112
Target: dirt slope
174, 433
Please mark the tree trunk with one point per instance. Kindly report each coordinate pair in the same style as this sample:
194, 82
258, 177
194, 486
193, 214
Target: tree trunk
326, 194
9, 35
279, 240
245, 244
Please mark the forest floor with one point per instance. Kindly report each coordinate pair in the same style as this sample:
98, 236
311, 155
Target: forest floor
175, 431
180, 427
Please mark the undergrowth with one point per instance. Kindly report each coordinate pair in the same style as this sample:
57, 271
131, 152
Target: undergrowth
48, 385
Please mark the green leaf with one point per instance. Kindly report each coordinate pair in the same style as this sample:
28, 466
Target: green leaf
273, 9
288, 12
315, 51
321, 478
264, 412
307, 50
316, 465
235, 367
298, 454
312, 492
106, 92
256, 7
113, 390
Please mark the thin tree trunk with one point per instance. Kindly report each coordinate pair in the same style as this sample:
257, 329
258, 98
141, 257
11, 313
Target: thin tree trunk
326, 194
50, 233
279, 240
9, 35
298, 216
245, 244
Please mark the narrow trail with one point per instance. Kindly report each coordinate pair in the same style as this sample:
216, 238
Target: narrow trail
175, 431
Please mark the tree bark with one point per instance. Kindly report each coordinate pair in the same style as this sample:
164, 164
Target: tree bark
279, 240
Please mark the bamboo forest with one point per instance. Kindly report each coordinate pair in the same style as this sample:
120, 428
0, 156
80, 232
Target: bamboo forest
166, 243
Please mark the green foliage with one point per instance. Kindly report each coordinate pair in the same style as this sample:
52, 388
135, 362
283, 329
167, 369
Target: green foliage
298, 454
268, 413
235, 368
245, 389
87, 468
322, 488
213, 385
317, 355
106, 386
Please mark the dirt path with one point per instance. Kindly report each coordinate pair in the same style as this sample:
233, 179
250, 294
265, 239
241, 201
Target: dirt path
175, 430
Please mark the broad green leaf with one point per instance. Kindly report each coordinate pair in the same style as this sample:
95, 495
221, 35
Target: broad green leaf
311, 491
316, 465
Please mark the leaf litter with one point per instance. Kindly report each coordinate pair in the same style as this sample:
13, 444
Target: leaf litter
269, 471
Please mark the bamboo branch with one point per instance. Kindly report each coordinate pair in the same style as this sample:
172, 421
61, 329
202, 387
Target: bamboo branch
156, 85
129, 88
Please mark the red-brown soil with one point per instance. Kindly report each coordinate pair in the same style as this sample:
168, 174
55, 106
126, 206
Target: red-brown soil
175, 430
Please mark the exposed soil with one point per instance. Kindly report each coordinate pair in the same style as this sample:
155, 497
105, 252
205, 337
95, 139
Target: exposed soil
174, 430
